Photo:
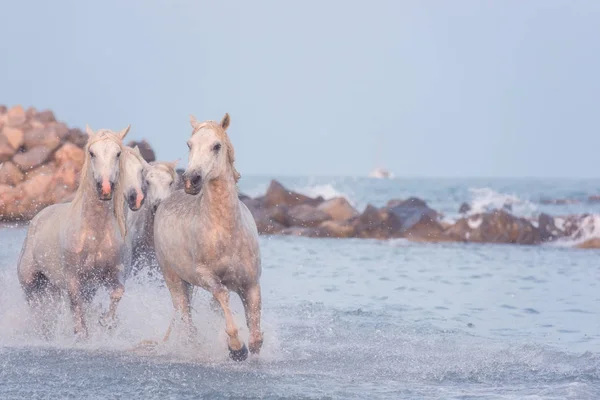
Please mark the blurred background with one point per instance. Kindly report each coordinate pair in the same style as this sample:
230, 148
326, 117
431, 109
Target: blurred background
430, 89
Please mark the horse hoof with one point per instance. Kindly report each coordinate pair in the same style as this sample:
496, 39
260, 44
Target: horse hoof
239, 355
107, 322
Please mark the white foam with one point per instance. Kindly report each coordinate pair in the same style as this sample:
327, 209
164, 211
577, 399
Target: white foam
486, 199
588, 227
474, 223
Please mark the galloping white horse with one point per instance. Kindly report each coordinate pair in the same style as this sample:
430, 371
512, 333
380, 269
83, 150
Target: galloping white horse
160, 179
79, 246
206, 237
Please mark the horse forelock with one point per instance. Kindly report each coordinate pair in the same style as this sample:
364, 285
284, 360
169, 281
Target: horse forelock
222, 133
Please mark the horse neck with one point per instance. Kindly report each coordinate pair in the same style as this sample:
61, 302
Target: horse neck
91, 208
219, 201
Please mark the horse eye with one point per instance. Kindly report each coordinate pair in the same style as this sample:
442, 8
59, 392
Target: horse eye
118, 154
217, 147
92, 154
189, 145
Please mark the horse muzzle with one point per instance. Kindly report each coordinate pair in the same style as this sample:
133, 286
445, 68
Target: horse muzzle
135, 199
105, 190
193, 184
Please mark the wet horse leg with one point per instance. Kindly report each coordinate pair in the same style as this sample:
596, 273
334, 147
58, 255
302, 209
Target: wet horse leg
181, 295
109, 318
252, 306
76, 301
237, 349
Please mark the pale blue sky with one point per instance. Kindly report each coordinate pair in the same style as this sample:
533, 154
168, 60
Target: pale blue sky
455, 88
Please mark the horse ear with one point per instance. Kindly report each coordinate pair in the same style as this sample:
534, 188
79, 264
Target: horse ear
174, 163
225, 121
136, 150
88, 130
124, 132
193, 121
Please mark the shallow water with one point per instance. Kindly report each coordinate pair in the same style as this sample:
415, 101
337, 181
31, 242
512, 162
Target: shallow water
342, 319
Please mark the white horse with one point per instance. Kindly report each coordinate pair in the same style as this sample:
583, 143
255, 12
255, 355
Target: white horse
206, 237
78, 247
160, 180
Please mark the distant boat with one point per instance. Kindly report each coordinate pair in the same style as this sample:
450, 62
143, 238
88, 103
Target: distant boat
381, 173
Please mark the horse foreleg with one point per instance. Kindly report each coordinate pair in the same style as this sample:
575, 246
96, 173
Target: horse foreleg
181, 295
109, 318
252, 306
237, 349
76, 301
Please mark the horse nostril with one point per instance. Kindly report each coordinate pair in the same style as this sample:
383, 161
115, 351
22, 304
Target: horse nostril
196, 180
132, 197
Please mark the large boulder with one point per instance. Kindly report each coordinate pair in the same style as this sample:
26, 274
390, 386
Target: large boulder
10, 174
375, 223
497, 226
338, 209
14, 136
278, 195
32, 158
306, 216
69, 152
548, 229
48, 137
16, 116
265, 219
337, 229
6, 150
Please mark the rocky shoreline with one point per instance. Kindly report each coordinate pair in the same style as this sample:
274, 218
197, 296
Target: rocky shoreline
284, 212
42, 157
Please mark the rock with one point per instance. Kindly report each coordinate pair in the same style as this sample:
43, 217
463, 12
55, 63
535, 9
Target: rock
32, 158
424, 229
14, 136
548, 229
464, 208
47, 137
9, 202
301, 231
6, 150
67, 177
69, 152
337, 229
145, 150
593, 243
77, 137
45, 116
16, 116
375, 223
278, 195
416, 221
558, 202
35, 194
594, 199
338, 209
10, 174
264, 223
497, 226
393, 203
306, 216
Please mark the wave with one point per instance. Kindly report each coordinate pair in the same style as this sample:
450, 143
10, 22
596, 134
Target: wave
581, 229
486, 199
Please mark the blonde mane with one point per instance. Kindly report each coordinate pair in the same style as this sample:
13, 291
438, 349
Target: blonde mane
119, 204
222, 133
